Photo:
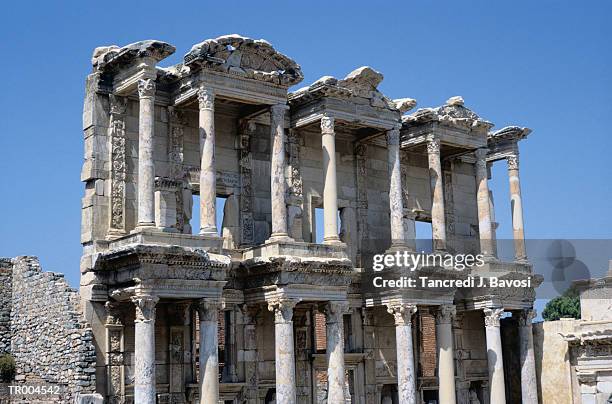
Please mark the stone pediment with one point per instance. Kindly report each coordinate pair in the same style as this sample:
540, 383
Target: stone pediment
509, 133
246, 57
361, 83
453, 113
106, 58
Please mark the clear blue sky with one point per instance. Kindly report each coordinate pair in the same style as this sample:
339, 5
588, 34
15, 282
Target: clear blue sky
543, 64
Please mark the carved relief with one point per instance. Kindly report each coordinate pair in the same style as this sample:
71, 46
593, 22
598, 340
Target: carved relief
117, 139
433, 146
402, 313
361, 151
206, 98
492, 316
247, 129
513, 162
145, 307
282, 308
327, 125
146, 88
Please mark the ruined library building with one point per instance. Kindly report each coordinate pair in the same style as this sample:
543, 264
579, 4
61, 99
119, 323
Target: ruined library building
203, 279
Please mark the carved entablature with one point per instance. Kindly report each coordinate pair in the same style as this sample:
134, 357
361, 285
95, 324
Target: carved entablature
504, 142
454, 123
241, 56
111, 58
354, 100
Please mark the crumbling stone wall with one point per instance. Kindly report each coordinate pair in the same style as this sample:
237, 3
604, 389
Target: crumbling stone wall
50, 341
6, 265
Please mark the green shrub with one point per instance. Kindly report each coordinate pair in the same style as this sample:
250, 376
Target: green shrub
7, 368
566, 305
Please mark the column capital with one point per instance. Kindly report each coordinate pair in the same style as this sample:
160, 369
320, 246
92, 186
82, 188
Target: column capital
283, 309
146, 88
402, 312
277, 111
513, 161
445, 314
327, 125
393, 136
206, 98
492, 316
433, 145
145, 307
481, 153
334, 310
208, 309
114, 313
525, 317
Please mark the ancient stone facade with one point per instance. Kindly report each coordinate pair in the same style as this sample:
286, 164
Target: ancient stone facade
46, 334
300, 324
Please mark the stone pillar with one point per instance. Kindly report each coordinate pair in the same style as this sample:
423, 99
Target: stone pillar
249, 356
446, 356
208, 172
438, 221
208, 313
284, 350
115, 352
330, 187
396, 203
334, 312
278, 184
485, 226
529, 389
406, 373
494, 354
144, 352
518, 231
146, 168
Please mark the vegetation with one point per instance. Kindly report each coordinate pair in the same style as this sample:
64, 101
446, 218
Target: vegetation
7, 368
566, 305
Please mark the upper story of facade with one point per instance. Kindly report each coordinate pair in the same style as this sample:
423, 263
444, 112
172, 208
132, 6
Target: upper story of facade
223, 124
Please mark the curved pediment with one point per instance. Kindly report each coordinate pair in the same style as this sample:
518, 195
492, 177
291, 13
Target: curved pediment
242, 56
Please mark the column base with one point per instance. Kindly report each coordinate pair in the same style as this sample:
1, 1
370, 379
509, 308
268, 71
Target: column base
144, 226
209, 231
490, 258
332, 240
399, 246
522, 260
279, 237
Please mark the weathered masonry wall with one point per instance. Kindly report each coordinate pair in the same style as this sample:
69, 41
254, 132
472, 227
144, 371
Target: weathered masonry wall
49, 340
6, 265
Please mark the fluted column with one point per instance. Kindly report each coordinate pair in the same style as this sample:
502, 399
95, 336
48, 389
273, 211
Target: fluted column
406, 374
446, 356
330, 187
208, 172
277, 172
438, 221
284, 350
494, 354
208, 313
334, 312
518, 231
146, 168
485, 226
144, 351
529, 389
396, 204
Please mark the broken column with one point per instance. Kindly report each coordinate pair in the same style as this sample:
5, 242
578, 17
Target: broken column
277, 172
146, 168
330, 187
144, 352
494, 354
208, 311
438, 221
406, 374
284, 359
208, 173
334, 312
396, 203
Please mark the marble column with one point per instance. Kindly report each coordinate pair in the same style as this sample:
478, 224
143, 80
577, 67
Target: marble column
278, 183
208, 172
438, 221
144, 351
494, 354
334, 312
284, 359
446, 355
529, 389
406, 373
146, 168
396, 203
208, 313
518, 231
249, 352
485, 226
330, 187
